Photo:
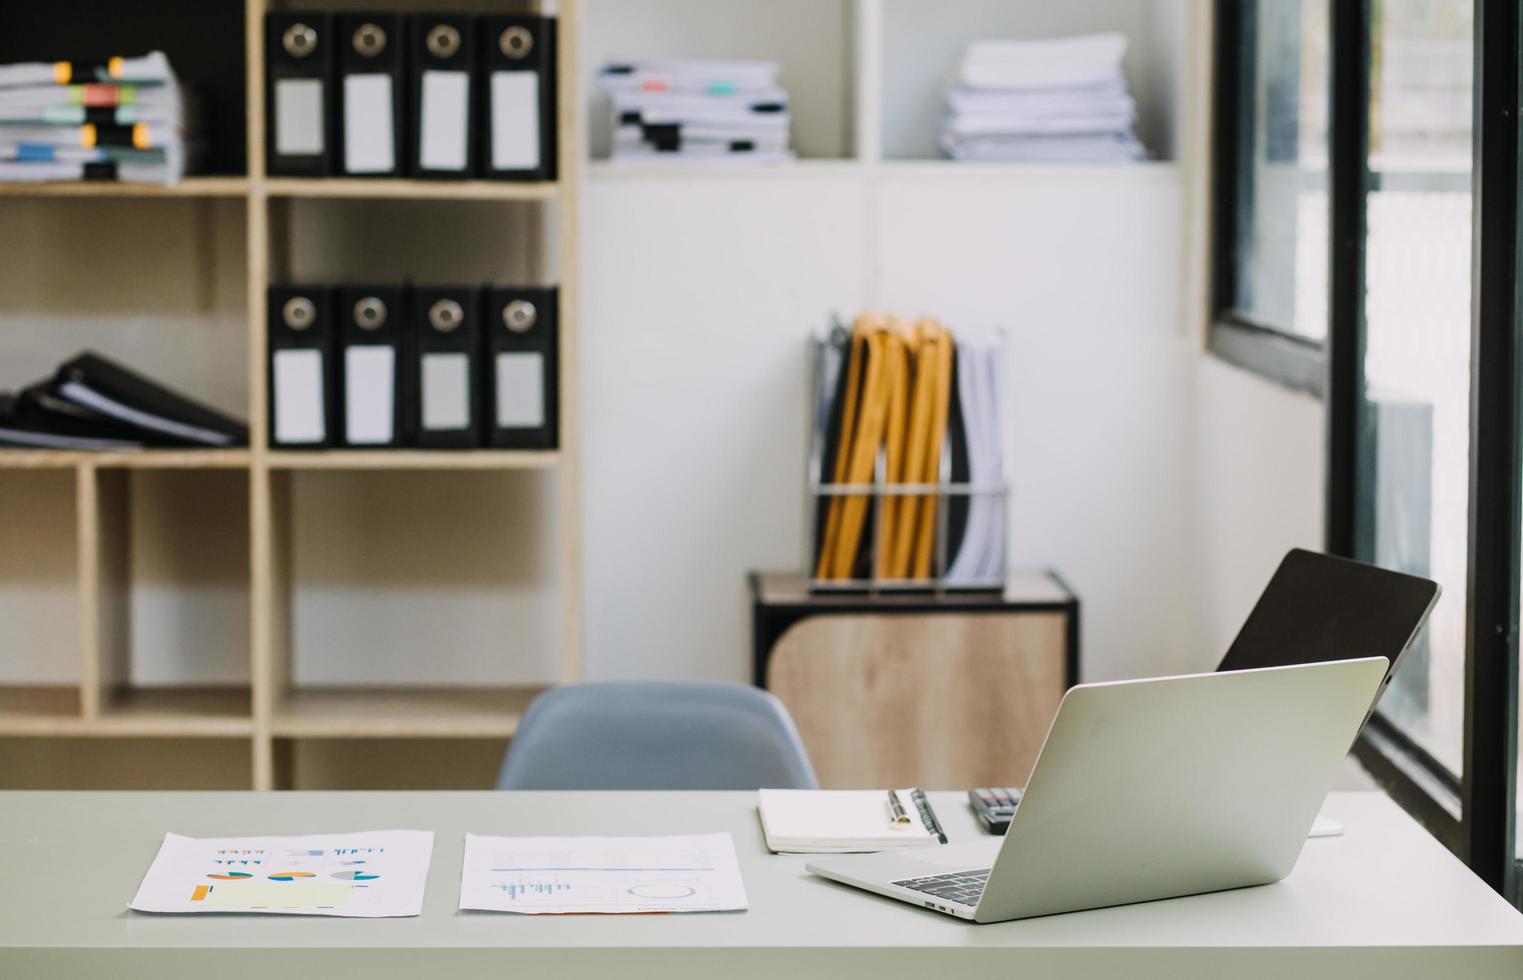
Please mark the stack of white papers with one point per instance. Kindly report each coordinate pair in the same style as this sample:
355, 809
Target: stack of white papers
1059, 100
980, 558
361, 875
124, 120
809, 821
546, 875
697, 109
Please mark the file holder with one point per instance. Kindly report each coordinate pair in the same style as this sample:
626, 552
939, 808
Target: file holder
945, 491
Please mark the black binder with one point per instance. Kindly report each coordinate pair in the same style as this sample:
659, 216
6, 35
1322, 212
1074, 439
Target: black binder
520, 325
371, 58
298, 94
441, 139
165, 417
443, 375
302, 371
370, 338
518, 96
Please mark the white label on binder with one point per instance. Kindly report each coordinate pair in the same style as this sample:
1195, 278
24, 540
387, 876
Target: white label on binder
299, 416
445, 105
298, 117
446, 391
520, 391
368, 126
369, 394
515, 120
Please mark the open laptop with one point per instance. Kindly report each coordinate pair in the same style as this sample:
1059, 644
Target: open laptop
1149, 789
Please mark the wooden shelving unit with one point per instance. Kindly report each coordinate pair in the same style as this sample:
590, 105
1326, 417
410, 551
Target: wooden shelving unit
271, 713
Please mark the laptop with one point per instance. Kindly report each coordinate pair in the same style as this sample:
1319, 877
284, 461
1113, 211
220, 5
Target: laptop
1149, 789
1317, 608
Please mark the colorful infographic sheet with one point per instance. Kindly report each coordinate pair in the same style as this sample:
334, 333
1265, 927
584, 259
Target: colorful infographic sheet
368, 875
538, 875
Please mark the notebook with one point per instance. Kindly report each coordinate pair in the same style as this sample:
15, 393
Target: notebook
807, 821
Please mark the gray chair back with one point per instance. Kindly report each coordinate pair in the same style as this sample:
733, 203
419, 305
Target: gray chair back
656, 735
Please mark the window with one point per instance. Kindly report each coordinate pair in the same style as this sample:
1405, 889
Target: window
1368, 250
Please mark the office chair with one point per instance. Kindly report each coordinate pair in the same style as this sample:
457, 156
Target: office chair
656, 735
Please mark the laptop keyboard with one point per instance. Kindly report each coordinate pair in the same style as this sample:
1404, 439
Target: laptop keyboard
962, 887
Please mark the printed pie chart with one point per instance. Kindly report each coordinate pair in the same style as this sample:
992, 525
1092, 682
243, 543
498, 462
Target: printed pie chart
662, 890
231, 876
292, 875
355, 876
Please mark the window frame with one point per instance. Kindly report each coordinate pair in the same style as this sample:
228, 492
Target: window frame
1472, 813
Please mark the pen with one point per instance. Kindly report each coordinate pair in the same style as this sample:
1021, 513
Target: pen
896, 810
927, 815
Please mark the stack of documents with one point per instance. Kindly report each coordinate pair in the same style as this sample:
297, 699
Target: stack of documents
696, 109
910, 456
1059, 100
92, 403
808, 821
124, 120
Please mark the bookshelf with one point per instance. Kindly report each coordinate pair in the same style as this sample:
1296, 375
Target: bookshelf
170, 547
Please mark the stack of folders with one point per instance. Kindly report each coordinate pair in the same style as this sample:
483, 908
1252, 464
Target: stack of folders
122, 120
93, 403
696, 109
912, 460
449, 96
810, 821
1061, 100
441, 367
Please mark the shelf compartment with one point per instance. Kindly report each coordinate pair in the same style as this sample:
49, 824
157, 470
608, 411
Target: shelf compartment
388, 763
126, 763
352, 713
423, 190
403, 459
39, 709
200, 712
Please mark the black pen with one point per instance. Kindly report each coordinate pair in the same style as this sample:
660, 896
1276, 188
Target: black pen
927, 815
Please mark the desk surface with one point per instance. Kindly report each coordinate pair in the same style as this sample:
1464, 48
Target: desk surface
1383, 900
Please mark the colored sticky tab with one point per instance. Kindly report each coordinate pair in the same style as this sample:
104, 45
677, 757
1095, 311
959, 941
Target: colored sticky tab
722, 88
87, 135
99, 95
126, 95
34, 153
115, 65
140, 136
75, 94
654, 85
62, 73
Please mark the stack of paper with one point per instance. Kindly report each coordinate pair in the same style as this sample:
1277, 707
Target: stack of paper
980, 554
805, 821
696, 109
1059, 100
94, 403
124, 120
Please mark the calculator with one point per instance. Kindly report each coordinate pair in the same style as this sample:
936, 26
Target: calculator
995, 806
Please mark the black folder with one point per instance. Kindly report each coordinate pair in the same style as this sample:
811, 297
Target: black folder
164, 416
520, 325
298, 94
443, 374
441, 139
27, 421
518, 93
370, 339
372, 56
302, 372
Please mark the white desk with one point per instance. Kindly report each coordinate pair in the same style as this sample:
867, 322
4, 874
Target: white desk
1384, 901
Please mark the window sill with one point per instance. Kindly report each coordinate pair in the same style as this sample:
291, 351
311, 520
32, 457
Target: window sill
1294, 362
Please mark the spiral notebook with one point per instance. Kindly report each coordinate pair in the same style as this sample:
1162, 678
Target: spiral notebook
805, 821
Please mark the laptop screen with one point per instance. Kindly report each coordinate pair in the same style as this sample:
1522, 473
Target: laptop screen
1318, 608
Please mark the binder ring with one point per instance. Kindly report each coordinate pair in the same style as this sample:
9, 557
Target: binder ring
443, 41
299, 40
298, 313
445, 315
370, 313
515, 42
519, 316
369, 40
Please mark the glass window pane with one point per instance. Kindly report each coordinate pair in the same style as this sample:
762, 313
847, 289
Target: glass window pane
1417, 365
1282, 249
